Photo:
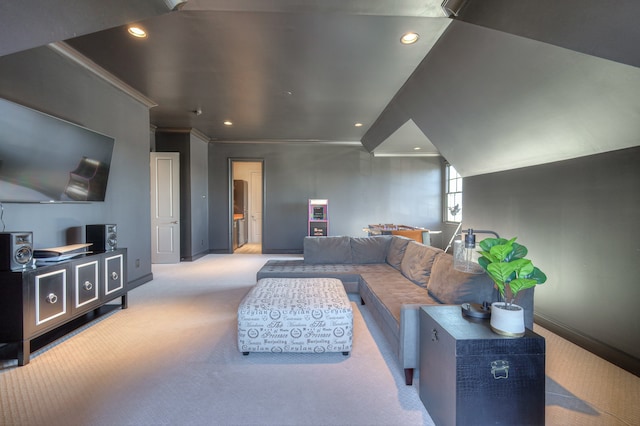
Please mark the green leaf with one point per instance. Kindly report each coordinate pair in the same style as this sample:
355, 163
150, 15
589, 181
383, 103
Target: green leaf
483, 261
489, 258
538, 276
501, 271
500, 287
501, 251
519, 252
523, 267
521, 284
487, 243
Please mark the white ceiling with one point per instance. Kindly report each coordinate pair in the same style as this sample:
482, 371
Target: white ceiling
404, 141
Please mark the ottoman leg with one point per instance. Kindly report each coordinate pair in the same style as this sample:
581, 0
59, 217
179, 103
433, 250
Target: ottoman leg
245, 353
345, 353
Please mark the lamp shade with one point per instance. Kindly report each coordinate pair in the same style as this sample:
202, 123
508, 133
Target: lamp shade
466, 259
465, 255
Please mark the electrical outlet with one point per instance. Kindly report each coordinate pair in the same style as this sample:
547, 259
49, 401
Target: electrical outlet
137, 263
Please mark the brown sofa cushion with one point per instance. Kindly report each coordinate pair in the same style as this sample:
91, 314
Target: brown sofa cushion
397, 247
417, 262
452, 287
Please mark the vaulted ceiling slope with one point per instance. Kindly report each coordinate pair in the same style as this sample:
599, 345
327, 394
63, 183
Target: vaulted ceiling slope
492, 101
26, 24
599, 28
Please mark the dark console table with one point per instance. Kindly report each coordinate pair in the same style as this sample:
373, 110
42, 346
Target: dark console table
35, 301
471, 376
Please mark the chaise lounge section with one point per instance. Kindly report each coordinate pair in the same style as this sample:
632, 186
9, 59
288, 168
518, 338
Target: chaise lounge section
394, 276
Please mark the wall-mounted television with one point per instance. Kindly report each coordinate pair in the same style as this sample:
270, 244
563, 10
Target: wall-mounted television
45, 159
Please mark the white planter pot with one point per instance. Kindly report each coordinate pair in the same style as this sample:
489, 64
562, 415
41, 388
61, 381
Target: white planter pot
507, 322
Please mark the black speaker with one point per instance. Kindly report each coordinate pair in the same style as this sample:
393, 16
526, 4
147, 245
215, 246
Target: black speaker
102, 237
16, 250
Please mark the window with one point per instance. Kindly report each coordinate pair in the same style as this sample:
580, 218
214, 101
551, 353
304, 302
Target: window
453, 202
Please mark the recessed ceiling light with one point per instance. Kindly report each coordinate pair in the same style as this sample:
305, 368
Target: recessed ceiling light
417, 148
409, 38
358, 124
228, 123
137, 32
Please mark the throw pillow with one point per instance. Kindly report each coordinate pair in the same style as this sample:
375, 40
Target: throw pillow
322, 250
452, 287
417, 262
370, 249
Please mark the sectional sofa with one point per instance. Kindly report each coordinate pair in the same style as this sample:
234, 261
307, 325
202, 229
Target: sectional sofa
394, 276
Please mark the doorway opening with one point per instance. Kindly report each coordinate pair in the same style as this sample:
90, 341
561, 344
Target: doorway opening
246, 189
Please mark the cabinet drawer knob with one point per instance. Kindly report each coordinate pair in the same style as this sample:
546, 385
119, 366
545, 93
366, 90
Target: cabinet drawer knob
88, 285
52, 298
434, 335
114, 276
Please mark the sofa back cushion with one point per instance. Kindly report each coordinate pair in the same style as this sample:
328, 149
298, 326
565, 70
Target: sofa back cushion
397, 248
322, 250
370, 249
417, 262
452, 287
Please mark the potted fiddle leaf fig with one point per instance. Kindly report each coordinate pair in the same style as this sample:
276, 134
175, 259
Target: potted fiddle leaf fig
505, 262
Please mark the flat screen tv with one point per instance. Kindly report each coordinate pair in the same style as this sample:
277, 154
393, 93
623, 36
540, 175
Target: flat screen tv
45, 159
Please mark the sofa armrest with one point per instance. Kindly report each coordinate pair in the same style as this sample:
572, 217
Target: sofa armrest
409, 345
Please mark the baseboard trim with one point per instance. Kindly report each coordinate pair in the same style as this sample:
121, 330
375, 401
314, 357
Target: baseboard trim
194, 257
139, 281
264, 251
603, 350
219, 251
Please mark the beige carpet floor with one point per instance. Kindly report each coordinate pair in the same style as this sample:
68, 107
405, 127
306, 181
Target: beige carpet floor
172, 359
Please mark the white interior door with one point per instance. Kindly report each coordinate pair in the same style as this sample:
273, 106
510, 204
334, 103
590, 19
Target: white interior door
255, 207
165, 207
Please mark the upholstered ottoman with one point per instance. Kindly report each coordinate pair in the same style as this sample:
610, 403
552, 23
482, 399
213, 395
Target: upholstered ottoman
295, 315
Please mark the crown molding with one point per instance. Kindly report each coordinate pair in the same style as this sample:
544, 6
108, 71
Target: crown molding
70, 53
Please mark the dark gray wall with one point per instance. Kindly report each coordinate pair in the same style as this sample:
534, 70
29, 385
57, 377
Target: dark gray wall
44, 80
199, 165
579, 220
361, 190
